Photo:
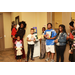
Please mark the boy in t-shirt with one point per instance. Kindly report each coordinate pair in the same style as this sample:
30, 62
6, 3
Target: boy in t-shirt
50, 35
31, 39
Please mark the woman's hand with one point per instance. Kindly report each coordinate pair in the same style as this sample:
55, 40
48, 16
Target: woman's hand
56, 40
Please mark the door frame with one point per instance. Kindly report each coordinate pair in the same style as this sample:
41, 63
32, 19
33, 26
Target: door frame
3, 32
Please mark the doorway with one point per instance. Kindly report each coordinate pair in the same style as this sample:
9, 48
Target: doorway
1, 33
56, 20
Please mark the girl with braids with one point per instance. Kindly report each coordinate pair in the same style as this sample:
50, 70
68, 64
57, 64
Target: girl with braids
61, 42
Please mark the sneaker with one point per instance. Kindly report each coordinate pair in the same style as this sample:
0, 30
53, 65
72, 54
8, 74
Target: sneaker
26, 61
47, 59
52, 60
40, 57
32, 59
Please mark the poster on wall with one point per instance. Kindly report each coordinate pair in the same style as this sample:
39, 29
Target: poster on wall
35, 29
35, 32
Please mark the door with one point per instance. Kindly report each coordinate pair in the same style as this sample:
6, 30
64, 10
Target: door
58, 19
1, 33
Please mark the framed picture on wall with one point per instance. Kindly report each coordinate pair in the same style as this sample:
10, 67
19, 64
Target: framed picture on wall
17, 20
35, 29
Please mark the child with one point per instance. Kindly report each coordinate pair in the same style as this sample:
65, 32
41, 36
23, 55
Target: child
50, 35
61, 42
31, 39
14, 31
18, 47
43, 46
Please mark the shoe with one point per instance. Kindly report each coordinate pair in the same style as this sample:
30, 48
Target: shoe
32, 59
47, 59
26, 61
40, 57
52, 60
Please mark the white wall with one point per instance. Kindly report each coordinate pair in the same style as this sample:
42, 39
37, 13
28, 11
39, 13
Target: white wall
33, 19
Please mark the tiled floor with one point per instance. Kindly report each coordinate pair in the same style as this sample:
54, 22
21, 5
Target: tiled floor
9, 56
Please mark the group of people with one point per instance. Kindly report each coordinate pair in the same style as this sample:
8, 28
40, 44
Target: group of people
17, 34
52, 41
56, 41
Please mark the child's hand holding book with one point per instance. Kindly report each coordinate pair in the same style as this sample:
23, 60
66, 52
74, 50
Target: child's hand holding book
47, 36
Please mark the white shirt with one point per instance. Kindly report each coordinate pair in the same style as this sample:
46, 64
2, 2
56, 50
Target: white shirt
58, 38
31, 37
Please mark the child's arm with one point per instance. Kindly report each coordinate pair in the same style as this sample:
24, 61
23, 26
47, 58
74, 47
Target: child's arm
15, 47
52, 37
45, 35
28, 39
22, 44
13, 33
34, 40
15, 44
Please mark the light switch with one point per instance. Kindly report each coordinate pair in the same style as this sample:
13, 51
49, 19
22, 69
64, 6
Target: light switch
57, 22
4, 35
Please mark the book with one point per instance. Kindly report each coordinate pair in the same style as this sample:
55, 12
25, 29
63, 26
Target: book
32, 38
48, 33
40, 37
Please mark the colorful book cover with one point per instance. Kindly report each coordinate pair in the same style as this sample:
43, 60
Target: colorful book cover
40, 37
32, 38
48, 33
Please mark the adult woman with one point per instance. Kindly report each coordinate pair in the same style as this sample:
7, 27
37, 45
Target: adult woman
21, 33
61, 42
